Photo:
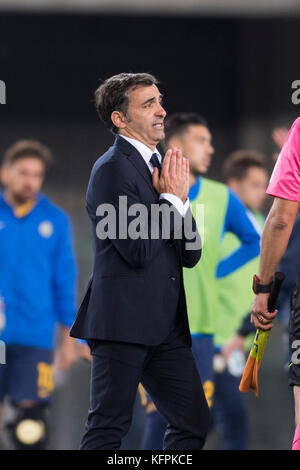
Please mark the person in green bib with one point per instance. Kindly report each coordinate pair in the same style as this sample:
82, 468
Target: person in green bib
217, 210
245, 173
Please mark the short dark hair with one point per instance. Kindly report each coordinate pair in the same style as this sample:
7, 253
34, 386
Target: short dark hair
177, 124
112, 95
238, 163
27, 148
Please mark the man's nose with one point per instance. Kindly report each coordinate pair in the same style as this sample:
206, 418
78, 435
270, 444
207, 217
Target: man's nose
31, 181
211, 150
160, 111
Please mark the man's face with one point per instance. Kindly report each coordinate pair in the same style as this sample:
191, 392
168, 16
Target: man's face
252, 188
23, 178
196, 146
146, 116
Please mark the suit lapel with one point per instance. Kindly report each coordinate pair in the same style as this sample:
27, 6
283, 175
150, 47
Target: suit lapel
136, 160
139, 163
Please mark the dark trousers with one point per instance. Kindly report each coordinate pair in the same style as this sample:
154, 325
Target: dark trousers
230, 412
155, 425
168, 372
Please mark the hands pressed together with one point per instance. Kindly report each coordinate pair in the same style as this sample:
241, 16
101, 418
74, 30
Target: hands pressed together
174, 177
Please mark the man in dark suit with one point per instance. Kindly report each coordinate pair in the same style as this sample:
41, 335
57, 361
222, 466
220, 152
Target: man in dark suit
134, 312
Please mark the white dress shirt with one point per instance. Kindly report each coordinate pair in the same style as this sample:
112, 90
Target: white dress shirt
147, 153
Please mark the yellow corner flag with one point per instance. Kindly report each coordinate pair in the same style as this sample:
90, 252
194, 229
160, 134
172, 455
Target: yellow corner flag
250, 376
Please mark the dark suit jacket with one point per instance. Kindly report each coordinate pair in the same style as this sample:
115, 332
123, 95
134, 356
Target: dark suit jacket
136, 287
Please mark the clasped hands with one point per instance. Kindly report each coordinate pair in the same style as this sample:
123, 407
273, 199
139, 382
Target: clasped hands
174, 176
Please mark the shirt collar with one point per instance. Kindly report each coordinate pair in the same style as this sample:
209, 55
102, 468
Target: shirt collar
145, 151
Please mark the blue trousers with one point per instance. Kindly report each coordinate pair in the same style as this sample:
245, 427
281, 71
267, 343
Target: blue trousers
230, 413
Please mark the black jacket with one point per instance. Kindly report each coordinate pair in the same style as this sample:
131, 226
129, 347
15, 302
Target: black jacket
137, 285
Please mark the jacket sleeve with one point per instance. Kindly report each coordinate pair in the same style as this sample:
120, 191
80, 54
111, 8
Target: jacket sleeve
116, 207
246, 327
64, 273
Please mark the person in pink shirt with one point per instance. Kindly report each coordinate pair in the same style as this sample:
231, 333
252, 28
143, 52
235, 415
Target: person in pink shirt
284, 186
285, 180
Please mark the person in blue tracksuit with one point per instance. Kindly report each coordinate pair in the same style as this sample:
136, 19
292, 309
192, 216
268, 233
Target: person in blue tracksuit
37, 288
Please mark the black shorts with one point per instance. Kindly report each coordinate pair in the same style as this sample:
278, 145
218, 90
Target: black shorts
294, 335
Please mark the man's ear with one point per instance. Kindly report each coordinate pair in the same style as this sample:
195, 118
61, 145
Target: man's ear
118, 119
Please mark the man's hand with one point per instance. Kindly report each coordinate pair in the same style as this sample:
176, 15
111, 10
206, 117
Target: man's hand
66, 353
260, 317
84, 352
235, 342
174, 177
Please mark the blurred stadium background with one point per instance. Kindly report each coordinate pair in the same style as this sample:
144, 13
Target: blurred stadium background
234, 62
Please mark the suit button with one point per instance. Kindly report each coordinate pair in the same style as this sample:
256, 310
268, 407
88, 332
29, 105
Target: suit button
173, 278
170, 243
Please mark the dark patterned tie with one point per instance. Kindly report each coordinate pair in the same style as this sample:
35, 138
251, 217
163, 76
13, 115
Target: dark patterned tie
155, 163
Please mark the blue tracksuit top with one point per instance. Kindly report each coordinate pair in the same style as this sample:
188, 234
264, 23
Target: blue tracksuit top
37, 273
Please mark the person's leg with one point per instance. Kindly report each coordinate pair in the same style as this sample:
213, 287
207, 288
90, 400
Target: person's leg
1, 411
297, 404
203, 352
29, 430
294, 366
155, 424
296, 440
4, 387
2, 395
4, 381
154, 429
115, 375
172, 379
2, 444
229, 412
30, 392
